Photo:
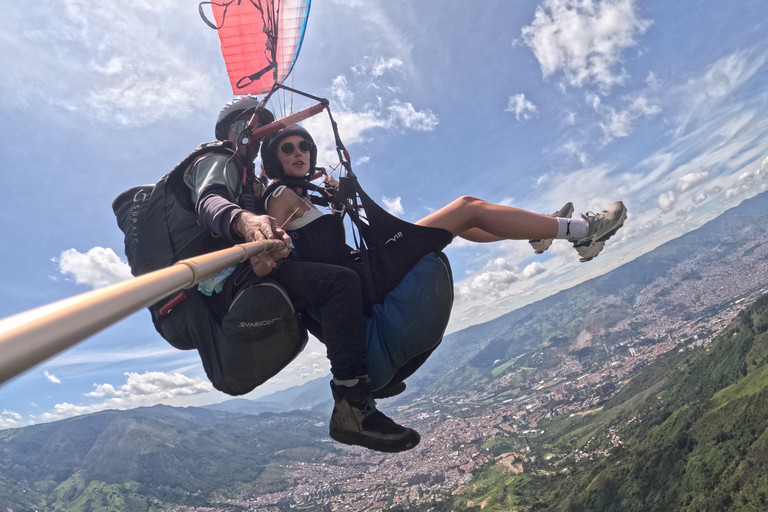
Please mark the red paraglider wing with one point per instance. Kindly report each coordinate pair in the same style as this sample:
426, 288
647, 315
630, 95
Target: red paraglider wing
264, 39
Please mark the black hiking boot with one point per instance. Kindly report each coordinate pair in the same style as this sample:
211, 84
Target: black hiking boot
355, 420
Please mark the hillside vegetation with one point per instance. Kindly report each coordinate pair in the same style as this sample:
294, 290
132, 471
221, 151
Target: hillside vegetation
693, 431
145, 458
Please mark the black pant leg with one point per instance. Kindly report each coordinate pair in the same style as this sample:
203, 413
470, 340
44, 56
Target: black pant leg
332, 295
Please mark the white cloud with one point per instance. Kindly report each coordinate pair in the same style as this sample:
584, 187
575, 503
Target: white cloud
96, 268
136, 102
620, 123
67, 410
103, 391
616, 124
747, 180
706, 194
128, 73
383, 65
393, 206
404, 114
594, 101
584, 39
522, 108
574, 150
10, 419
666, 202
533, 269
495, 279
691, 180
52, 377
340, 91
140, 390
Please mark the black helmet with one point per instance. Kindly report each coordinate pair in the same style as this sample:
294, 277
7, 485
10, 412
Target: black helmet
269, 146
235, 109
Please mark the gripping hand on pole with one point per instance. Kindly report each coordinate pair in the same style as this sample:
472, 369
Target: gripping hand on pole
258, 228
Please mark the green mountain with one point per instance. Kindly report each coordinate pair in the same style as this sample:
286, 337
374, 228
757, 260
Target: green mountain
142, 458
688, 433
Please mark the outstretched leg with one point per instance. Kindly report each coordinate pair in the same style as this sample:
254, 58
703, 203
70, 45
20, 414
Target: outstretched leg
480, 221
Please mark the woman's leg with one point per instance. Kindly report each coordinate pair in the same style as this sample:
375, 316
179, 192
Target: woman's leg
480, 221
333, 294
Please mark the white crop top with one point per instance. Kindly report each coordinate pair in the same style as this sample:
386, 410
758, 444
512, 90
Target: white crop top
310, 215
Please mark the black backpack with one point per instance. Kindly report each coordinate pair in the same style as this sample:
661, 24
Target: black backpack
161, 227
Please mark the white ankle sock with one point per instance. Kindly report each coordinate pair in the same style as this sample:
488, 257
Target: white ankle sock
571, 229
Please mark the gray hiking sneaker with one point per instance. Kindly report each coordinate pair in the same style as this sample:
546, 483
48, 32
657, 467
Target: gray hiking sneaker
602, 226
539, 246
588, 252
355, 420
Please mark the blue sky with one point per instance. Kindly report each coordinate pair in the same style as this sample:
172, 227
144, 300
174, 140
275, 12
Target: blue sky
528, 103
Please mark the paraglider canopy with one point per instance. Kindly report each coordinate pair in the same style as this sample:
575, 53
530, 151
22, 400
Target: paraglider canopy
260, 40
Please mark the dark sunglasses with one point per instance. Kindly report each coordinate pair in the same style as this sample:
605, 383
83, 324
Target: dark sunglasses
240, 125
289, 147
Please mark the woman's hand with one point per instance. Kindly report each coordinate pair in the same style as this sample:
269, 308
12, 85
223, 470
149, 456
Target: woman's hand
331, 181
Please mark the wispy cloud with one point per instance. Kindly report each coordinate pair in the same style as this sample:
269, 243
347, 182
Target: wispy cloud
341, 92
83, 356
706, 92
575, 150
128, 73
620, 123
584, 39
98, 267
521, 107
52, 377
376, 67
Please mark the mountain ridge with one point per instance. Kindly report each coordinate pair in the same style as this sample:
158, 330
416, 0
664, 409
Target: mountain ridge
153, 457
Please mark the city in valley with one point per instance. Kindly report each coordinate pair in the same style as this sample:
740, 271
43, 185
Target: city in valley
455, 429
